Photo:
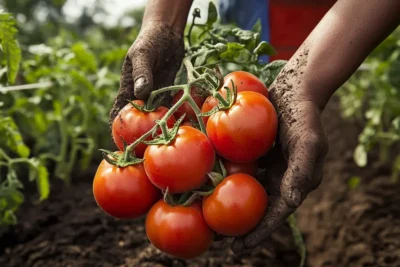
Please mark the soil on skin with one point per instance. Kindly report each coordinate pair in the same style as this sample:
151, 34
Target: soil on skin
342, 227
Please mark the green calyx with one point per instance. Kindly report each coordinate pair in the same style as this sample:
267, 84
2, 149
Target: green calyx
168, 135
120, 160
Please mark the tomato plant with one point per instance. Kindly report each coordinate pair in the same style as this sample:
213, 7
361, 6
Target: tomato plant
124, 192
249, 168
181, 165
177, 230
131, 123
185, 108
249, 127
236, 206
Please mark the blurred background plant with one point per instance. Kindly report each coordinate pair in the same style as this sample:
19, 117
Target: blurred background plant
371, 98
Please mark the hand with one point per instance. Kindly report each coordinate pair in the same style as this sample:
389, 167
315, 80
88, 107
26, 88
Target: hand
294, 166
151, 63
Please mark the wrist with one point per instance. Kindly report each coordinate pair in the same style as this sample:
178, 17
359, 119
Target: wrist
171, 14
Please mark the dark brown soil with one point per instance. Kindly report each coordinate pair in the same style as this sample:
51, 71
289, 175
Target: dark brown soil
342, 227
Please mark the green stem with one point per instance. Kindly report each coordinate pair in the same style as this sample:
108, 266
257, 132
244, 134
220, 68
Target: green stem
164, 120
159, 91
189, 68
190, 31
196, 110
164, 128
4, 155
220, 98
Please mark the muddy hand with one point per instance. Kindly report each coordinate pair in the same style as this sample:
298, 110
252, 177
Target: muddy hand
151, 62
294, 166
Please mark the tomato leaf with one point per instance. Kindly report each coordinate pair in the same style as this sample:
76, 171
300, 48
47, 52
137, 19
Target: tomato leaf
212, 14
264, 48
298, 239
38, 172
257, 27
10, 200
271, 71
9, 45
11, 137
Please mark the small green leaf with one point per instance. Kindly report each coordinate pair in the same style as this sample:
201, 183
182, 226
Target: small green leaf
42, 182
257, 27
212, 14
360, 156
354, 182
9, 45
271, 71
264, 48
11, 137
298, 239
38, 172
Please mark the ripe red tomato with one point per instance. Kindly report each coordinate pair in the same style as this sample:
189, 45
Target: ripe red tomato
124, 192
245, 81
181, 165
236, 206
246, 131
210, 103
249, 168
179, 231
131, 124
185, 107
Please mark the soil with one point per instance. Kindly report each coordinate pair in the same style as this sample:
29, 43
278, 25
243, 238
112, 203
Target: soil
341, 226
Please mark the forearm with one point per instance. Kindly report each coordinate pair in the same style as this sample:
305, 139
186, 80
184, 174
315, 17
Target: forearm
338, 45
174, 13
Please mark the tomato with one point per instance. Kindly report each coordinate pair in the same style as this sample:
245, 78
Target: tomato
181, 165
245, 81
131, 124
249, 168
124, 192
179, 231
209, 104
246, 131
236, 206
185, 107
187, 123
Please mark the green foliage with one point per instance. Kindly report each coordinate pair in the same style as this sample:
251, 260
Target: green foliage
10, 184
9, 48
230, 47
54, 128
372, 96
298, 239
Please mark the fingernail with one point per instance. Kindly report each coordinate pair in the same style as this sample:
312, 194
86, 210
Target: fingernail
295, 196
140, 82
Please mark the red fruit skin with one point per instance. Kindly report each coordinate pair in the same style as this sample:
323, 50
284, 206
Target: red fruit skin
246, 131
179, 231
181, 165
236, 206
131, 124
245, 81
124, 193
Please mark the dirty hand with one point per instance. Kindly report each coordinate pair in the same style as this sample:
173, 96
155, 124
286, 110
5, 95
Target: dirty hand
151, 63
294, 166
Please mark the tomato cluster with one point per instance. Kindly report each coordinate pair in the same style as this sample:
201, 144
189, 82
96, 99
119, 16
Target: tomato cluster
234, 138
